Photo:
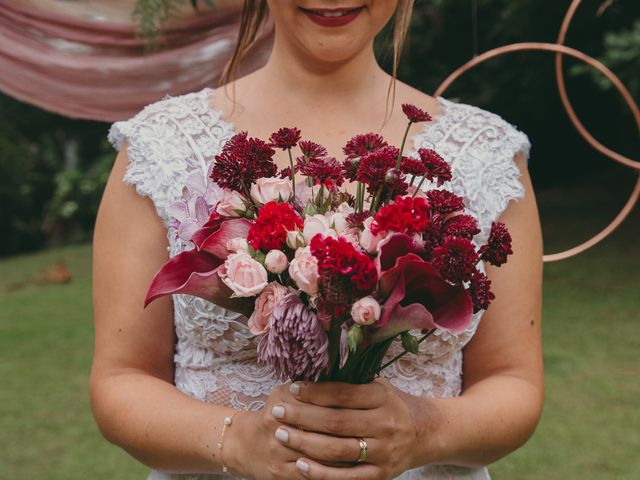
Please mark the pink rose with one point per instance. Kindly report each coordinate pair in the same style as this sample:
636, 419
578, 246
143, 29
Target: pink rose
276, 261
368, 240
313, 225
242, 274
237, 245
304, 271
271, 189
352, 235
338, 218
265, 303
366, 311
231, 203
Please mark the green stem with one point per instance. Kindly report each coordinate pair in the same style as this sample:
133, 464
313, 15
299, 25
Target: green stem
400, 355
404, 139
293, 175
418, 187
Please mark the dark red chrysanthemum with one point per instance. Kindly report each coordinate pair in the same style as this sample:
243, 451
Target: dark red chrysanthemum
350, 169
338, 259
242, 161
414, 114
312, 149
498, 247
356, 220
435, 166
405, 215
480, 291
464, 226
412, 166
325, 171
363, 143
269, 229
456, 259
285, 138
374, 166
444, 201
285, 173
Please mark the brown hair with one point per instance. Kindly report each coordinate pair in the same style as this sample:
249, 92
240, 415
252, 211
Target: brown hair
255, 13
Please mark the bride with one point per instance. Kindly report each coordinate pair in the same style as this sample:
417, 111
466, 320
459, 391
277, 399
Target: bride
178, 386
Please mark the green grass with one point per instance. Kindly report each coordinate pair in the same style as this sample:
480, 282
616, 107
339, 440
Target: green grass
590, 428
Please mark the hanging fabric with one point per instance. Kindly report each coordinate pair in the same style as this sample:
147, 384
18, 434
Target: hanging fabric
82, 59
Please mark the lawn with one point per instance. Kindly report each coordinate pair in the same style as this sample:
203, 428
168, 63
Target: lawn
590, 427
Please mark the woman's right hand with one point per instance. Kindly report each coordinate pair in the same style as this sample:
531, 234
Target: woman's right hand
251, 449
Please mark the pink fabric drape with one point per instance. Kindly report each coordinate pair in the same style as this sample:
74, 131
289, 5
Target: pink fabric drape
64, 61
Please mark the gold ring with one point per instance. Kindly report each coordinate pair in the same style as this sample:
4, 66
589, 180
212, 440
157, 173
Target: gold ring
363, 450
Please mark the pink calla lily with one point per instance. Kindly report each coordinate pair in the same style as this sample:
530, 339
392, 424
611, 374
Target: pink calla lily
418, 298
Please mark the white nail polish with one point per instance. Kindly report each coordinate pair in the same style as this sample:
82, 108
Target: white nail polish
282, 435
302, 466
294, 388
278, 411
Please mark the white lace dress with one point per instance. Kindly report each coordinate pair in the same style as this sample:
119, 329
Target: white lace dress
215, 354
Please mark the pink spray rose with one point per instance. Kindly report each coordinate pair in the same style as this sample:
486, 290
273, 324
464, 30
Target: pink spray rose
313, 225
272, 189
242, 274
366, 311
265, 303
237, 245
276, 261
304, 271
368, 240
231, 203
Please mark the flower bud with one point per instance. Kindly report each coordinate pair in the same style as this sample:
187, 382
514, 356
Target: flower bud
393, 175
276, 261
409, 342
354, 337
295, 239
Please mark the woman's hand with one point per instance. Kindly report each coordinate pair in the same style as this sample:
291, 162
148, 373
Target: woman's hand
323, 422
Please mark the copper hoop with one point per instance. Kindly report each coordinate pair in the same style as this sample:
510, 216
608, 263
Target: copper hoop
560, 50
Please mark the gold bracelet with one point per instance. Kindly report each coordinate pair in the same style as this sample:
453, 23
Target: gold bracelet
226, 423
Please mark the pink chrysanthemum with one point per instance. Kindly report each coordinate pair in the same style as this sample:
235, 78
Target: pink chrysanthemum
444, 201
325, 171
455, 259
312, 149
285, 138
480, 291
435, 166
414, 114
374, 165
242, 161
464, 226
498, 247
296, 345
360, 144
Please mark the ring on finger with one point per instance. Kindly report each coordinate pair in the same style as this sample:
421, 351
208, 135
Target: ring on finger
363, 450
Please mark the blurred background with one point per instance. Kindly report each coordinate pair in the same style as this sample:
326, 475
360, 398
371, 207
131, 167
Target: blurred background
68, 69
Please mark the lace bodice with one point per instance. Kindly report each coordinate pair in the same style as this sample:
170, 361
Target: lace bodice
215, 355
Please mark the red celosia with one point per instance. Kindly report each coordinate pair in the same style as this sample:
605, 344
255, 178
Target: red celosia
455, 259
464, 226
444, 201
325, 171
480, 290
412, 166
374, 166
414, 114
363, 143
285, 138
340, 258
269, 229
435, 166
312, 149
498, 247
406, 215
242, 161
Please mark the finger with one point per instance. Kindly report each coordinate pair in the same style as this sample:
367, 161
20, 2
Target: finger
338, 394
316, 471
325, 448
334, 421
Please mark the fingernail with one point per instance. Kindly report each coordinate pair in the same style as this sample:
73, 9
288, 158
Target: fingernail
278, 411
294, 388
302, 466
282, 435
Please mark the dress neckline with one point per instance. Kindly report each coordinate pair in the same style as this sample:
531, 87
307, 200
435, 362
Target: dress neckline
412, 140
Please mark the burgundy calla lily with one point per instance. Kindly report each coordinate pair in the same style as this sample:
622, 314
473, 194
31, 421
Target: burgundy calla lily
418, 298
395, 246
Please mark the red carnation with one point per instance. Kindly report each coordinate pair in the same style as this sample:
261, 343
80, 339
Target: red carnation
436, 167
480, 290
455, 259
325, 171
338, 260
374, 166
444, 201
312, 149
406, 215
412, 166
498, 247
363, 143
414, 114
285, 138
464, 226
242, 161
269, 229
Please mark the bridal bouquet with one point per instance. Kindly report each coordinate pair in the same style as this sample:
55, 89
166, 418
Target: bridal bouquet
329, 279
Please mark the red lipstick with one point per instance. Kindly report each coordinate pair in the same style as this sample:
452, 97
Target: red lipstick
332, 17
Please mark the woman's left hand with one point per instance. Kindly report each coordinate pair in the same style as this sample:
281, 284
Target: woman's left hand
325, 421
